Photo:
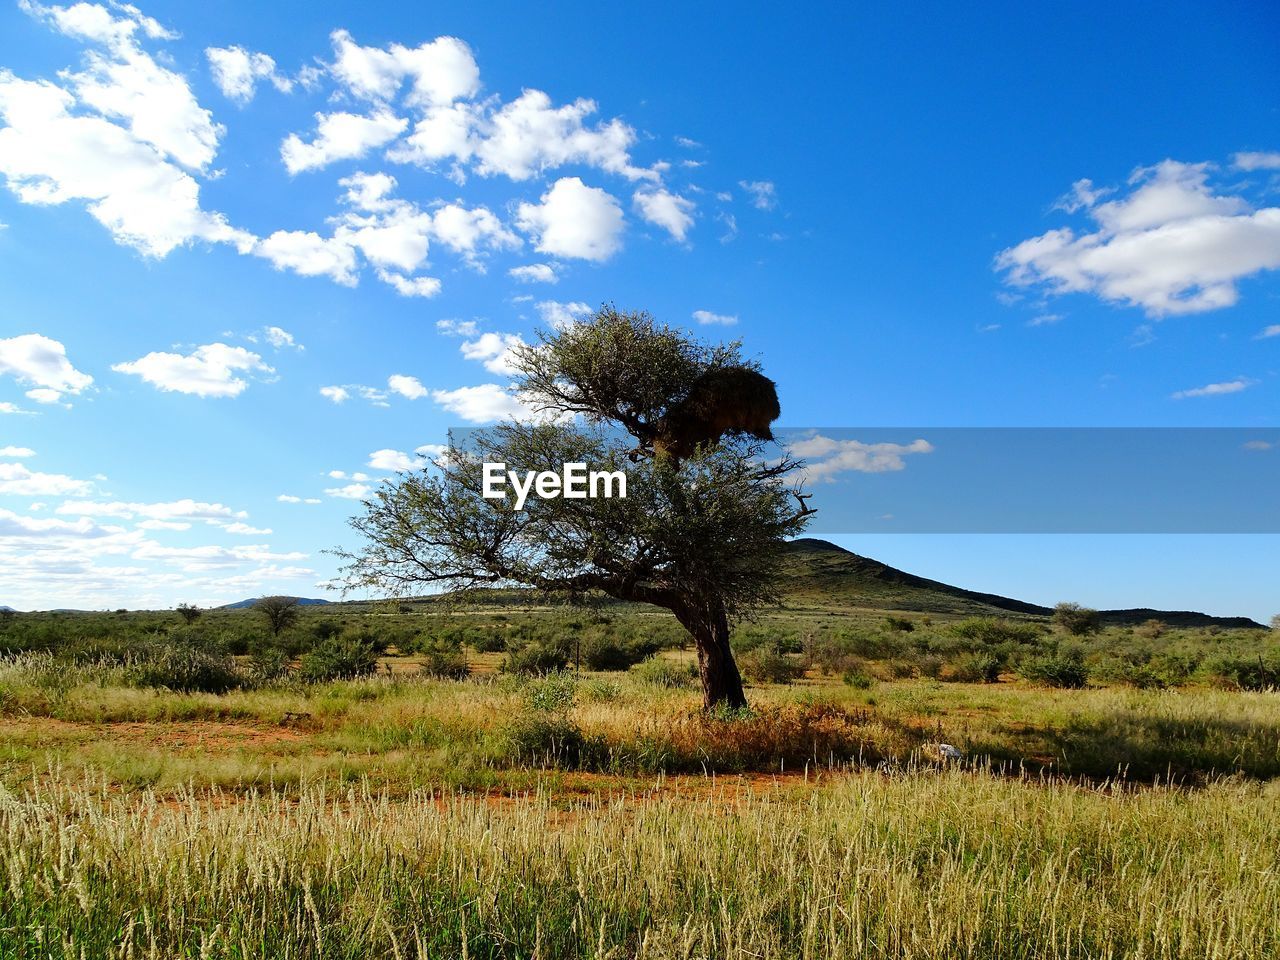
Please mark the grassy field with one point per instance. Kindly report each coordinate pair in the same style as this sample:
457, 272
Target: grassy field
423, 810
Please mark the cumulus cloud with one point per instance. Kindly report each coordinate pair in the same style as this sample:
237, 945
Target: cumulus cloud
290, 498
1268, 332
37, 361
280, 338
827, 458
18, 452
351, 491
534, 273
171, 510
340, 136
481, 404
238, 71
665, 209
1172, 245
394, 460
559, 315
574, 220
495, 350
17, 479
440, 71
763, 193
1252, 160
409, 387
707, 318
1215, 389
310, 255
335, 394
212, 370
456, 328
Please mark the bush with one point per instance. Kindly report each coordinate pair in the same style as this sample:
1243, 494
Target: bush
991, 631
858, 680
901, 624
443, 660
537, 657
602, 651
666, 673
977, 668
1076, 620
553, 693
766, 664
269, 665
1246, 673
338, 658
486, 640
1066, 670
184, 667
1150, 629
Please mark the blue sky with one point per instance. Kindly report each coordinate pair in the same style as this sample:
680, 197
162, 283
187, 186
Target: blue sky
271, 250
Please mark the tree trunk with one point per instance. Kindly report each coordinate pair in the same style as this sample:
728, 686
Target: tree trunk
708, 623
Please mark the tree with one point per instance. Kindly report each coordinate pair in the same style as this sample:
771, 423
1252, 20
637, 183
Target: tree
281, 613
703, 537
189, 612
1076, 620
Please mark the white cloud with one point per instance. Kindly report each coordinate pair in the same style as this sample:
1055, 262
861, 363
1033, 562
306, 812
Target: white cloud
440, 71
20, 452
529, 136
290, 498
1258, 446
481, 404
706, 317
340, 136
280, 338
310, 255
574, 220
336, 394
534, 273
559, 316
425, 287
457, 328
665, 209
1253, 160
14, 526
395, 460
1269, 332
37, 361
1215, 389
827, 458
1171, 246
237, 72
408, 387
467, 231
173, 525
244, 529
211, 370
16, 479
495, 350
10, 409
185, 509
764, 195
352, 491
1045, 320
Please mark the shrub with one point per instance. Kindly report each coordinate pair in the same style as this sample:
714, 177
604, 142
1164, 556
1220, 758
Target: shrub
1150, 629
666, 673
598, 650
901, 624
537, 657
552, 693
444, 660
977, 668
184, 667
1066, 670
766, 664
858, 680
991, 631
338, 658
1076, 620
1246, 673
269, 665
486, 640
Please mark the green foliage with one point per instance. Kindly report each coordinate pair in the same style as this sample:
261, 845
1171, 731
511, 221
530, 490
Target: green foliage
1076, 620
180, 664
901, 624
443, 660
766, 664
989, 631
1061, 669
666, 673
533, 657
189, 613
338, 658
280, 613
1247, 673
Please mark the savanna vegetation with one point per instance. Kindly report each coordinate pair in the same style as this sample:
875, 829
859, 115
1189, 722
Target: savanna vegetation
543, 781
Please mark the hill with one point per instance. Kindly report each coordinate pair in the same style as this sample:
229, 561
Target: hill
821, 574
245, 604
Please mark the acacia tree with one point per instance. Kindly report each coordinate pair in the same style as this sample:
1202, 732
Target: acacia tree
702, 537
281, 613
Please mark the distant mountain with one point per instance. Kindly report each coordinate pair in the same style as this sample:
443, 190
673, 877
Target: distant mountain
820, 574
245, 604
